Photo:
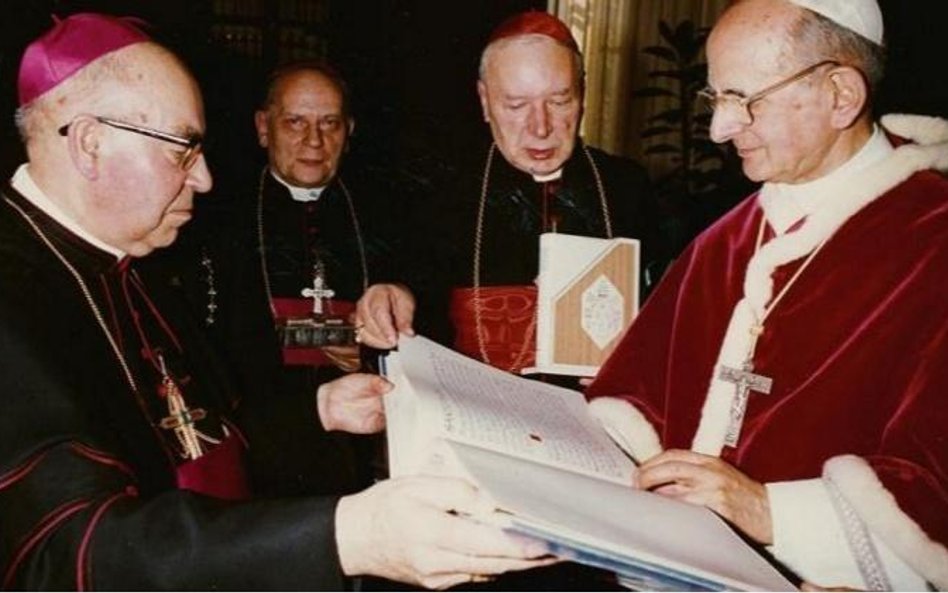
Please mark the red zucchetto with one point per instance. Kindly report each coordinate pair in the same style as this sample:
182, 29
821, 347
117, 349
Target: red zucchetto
71, 44
538, 23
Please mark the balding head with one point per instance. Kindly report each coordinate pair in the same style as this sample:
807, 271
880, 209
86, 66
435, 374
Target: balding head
802, 36
305, 124
122, 182
791, 98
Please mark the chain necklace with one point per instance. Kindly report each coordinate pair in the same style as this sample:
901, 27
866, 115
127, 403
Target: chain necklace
478, 241
85, 293
758, 327
261, 242
208, 265
187, 435
743, 377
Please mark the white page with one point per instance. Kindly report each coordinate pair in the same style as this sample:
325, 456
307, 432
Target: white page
620, 519
487, 407
401, 419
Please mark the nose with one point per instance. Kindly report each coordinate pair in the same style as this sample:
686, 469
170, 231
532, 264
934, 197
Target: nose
314, 136
725, 124
199, 176
539, 124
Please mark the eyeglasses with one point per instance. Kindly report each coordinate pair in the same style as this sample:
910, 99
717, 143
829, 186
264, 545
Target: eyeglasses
714, 100
193, 144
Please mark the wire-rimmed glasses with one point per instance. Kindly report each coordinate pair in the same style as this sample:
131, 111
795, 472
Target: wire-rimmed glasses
714, 100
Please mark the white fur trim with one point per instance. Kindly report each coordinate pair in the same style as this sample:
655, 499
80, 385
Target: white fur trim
808, 536
716, 412
627, 427
850, 197
878, 509
922, 129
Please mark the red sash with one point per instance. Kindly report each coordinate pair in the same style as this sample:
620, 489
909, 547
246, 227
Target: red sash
507, 325
292, 307
218, 473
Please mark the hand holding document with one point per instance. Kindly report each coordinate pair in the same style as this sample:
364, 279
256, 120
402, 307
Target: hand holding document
554, 474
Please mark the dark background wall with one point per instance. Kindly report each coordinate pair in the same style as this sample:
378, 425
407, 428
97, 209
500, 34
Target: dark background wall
411, 65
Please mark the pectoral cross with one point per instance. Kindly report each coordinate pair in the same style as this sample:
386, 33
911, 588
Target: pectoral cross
318, 292
181, 419
745, 381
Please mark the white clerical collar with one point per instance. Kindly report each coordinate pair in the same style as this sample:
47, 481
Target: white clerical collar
549, 176
23, 183
300, 194
786, 204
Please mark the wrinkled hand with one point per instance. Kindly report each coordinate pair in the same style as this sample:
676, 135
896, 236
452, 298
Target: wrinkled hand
708, 481
345, 358
401, 529
383, 312
353, 403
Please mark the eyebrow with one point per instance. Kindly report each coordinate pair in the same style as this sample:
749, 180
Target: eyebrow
730, 91
561, 92
188, 131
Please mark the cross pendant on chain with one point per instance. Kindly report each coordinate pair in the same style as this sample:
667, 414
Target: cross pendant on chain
318, 292
745, 381
182, 419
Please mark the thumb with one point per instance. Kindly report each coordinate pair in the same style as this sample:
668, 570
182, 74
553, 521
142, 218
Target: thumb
403, 309
367, 383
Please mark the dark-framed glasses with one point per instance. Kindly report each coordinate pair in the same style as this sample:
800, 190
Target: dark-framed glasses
193, 144
715, 101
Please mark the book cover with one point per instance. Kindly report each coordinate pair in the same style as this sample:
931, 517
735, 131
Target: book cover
588, 294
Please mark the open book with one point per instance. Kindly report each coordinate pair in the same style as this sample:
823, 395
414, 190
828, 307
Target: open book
554, 474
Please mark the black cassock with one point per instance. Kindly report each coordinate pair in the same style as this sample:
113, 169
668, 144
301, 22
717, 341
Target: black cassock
290, 458
516, 210
89, 480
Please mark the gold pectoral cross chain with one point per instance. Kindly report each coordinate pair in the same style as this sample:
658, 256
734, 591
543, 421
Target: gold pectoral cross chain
745, 380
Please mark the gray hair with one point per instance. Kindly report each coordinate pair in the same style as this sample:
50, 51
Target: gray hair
579, 72
815, 37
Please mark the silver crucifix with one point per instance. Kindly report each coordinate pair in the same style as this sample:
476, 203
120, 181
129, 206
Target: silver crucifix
745, 381
318, 292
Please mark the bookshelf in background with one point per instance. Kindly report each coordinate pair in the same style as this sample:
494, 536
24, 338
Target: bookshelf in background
270, 32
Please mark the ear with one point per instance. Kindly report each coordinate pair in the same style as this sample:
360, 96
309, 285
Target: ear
485, 106
82, 141
260, 122
350, 127
850, 96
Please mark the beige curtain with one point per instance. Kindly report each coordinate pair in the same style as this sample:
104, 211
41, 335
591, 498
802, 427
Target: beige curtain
612, 34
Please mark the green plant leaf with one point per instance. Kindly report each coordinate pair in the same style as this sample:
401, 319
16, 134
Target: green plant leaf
666, 32
662, 149
661, 52
698, 72
684, 40
706, 145
653, 91
673, 74
657, 131
671, 116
